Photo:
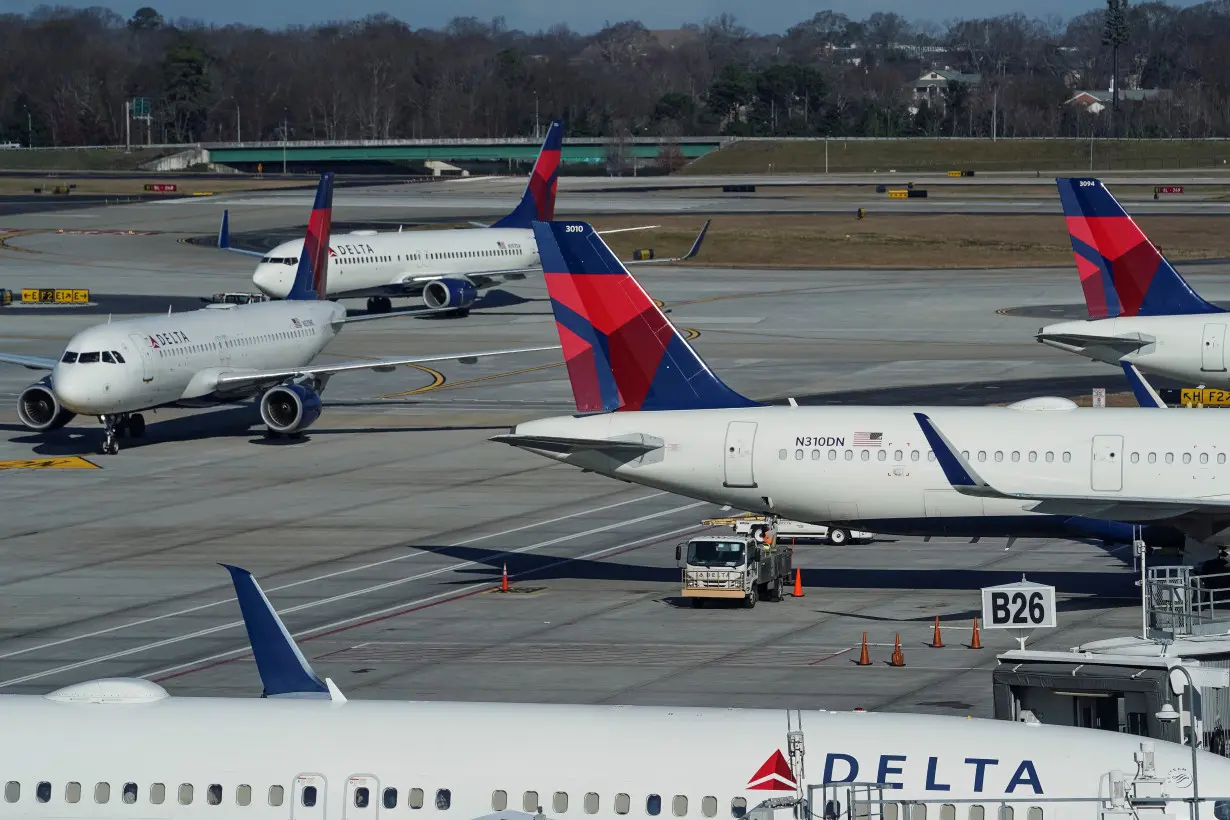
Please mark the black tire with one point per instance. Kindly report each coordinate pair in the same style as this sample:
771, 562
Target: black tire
839, 537
775, 591
749, 601
698, 603
136, 425
757, 533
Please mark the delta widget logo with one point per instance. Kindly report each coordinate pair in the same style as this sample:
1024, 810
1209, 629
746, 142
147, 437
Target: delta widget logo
774, 775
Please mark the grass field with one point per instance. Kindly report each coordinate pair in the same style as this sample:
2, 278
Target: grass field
881, 241
808, 156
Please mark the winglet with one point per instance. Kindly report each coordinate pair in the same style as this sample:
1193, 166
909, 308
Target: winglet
956, 469
224, 237
700, 237
1145, 395
284, 672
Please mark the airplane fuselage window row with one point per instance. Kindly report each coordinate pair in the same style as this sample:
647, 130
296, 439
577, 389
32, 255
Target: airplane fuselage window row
375, 260
654, 805
244, 341
999, 455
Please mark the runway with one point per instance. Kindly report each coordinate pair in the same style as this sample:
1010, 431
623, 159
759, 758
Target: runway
381, 535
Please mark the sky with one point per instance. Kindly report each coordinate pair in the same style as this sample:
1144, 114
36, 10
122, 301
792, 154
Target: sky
763, 16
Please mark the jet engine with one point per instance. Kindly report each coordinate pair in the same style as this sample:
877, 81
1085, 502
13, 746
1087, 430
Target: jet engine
449, 293
38, 408
290, 408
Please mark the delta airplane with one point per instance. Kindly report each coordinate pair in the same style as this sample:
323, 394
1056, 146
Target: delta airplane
124, 747
1140, 309
653, 413
222, 354
446, 268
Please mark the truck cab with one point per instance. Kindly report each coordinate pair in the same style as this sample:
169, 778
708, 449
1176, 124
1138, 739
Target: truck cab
733, 567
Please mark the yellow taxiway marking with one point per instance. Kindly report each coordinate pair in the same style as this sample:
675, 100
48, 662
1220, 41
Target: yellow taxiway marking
55, 463
5, 237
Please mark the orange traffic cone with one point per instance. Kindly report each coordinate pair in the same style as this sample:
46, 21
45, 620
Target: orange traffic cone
864, 659
898, 658
798, 583
504, 580
975, 643
937, 642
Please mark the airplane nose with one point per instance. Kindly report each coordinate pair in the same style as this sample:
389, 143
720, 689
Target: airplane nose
268, 280
72, 390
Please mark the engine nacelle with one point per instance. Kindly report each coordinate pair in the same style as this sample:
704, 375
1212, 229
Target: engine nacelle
449, 293
290, 408
40, 410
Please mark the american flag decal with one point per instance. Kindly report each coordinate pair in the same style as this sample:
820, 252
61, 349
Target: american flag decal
868, 439
500, 245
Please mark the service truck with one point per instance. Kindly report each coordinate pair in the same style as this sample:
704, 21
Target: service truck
734, 568
759, 526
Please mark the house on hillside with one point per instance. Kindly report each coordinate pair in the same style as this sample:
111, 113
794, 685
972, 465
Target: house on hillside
933, 85
1097, 101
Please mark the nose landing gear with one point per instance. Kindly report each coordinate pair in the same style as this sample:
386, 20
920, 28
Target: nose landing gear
117, 426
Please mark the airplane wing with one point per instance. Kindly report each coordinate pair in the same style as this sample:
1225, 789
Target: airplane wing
253, 378
564, 444
965, 480
695, 249
32, 362
224, 237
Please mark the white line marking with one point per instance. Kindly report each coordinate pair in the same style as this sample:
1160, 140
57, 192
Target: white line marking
312, 604
324, 577
421, 601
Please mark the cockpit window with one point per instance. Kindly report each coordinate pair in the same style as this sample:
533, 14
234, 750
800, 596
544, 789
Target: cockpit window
106, 354
279, 260
88, 358
69, 357
117, 356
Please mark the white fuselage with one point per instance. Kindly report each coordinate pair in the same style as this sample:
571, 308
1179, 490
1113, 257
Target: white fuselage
806, 463
1190, 349
391, 264
176, 358
312, 760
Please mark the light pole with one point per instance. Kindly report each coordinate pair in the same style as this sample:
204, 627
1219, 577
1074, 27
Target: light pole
29, 127
1168, 714
284, 138
537, 135
238, 124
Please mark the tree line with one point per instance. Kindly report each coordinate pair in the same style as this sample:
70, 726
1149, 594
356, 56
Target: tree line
70, 71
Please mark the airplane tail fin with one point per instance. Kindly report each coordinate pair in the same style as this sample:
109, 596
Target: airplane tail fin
312, 277
284, 672
1122, 273
621, 350
538, 202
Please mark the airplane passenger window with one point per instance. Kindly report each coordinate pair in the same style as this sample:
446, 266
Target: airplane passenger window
362, 796
102, 792
308, 798
999, 455
1035, 813
866, 455
918, 812
559, 802
591, 802
72, 792
798, 455
499, 800
679, 805
914, 455
888, 811
1066, 456
1135, 458
948, 812
129, 794
982, 455
738, 807
977, 813
1221, 458
69, 357
444, 799
88, 358
897, 455
881, 455
623, 803
529, 802
1170, 458
243, 796
653, 805
1006, 812
965, 454
708, 806
42, 792
849, 455
1049, 456
815, 455
185, 794
1033, 456
1016, 455
832, 455
781, 455
416, 799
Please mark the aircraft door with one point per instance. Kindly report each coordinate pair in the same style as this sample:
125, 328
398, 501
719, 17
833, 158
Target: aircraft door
309, 797
740, 438
362, 797
1213, 348
224, 352
1107, 470
141, 343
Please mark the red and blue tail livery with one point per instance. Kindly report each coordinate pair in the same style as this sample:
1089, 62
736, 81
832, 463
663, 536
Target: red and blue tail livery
1122, 272
313, 271
538, 202
621, 351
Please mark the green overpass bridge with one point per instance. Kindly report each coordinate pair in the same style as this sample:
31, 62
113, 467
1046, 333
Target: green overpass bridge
577, 150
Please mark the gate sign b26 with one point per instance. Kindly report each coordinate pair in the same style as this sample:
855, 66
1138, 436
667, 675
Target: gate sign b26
1022, 605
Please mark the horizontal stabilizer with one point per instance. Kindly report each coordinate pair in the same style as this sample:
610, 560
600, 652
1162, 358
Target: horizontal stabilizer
284, 672
224, 237
1077, 342
563, 444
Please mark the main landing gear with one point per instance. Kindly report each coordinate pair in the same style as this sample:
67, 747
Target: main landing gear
119, 425
379, 304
